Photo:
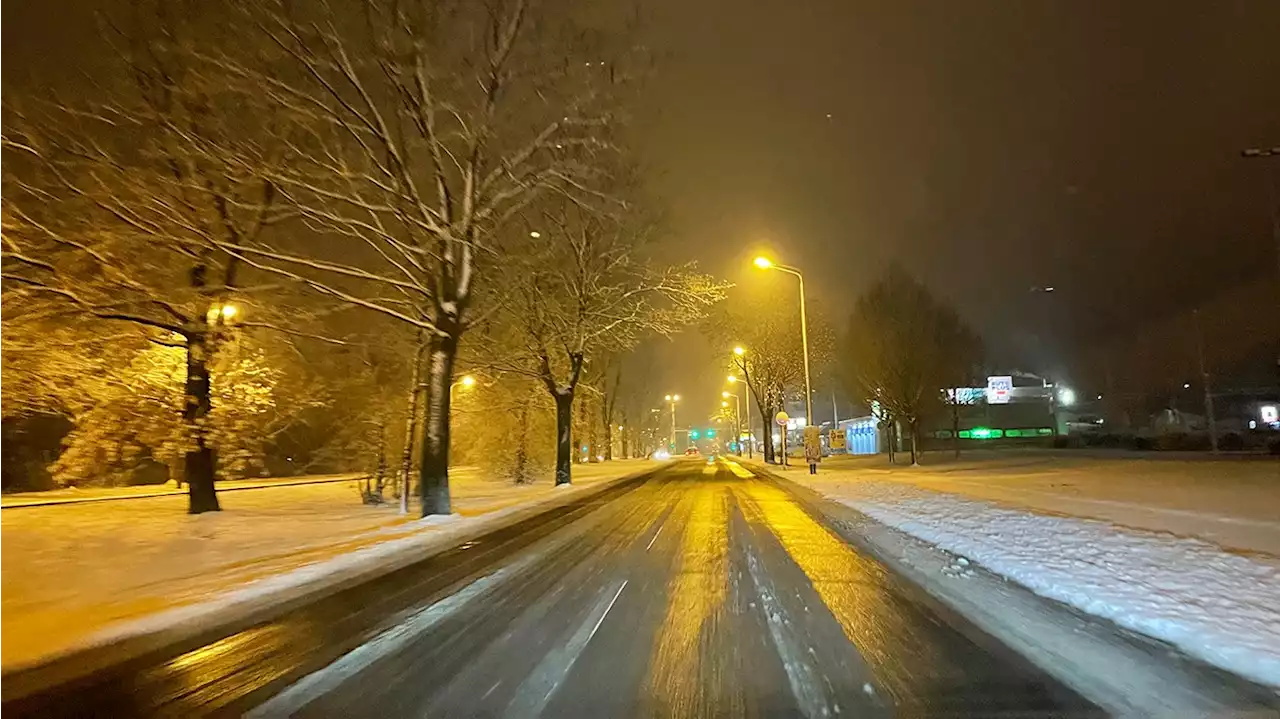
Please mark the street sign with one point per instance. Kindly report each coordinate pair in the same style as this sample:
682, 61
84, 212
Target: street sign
837, 439
781, 418
999, 389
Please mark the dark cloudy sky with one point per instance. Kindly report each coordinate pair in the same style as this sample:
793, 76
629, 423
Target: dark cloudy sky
991, 145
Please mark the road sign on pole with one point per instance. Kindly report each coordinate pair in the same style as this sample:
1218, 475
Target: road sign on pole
781, 418
836, 440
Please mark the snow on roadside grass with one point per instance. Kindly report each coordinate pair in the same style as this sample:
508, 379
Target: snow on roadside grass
1223, 608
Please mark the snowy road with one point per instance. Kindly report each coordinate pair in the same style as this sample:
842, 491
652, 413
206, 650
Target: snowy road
700, 592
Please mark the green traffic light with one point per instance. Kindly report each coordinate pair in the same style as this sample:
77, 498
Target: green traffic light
693, 434
711, 433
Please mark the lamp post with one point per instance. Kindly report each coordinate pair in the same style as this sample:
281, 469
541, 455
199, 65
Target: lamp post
672, 399
737, 416
467, 381
740, 352
765, 263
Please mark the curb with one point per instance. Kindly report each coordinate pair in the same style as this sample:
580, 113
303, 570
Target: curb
176, 492
199, 624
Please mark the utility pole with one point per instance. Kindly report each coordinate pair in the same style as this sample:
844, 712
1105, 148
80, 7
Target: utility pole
1204, 377
1273, 202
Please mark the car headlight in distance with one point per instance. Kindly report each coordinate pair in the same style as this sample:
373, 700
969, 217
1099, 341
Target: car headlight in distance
662, 454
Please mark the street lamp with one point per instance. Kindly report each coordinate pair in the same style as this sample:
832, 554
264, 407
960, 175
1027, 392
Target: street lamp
673, 398
765, 263
467, 381
737, 416
732, 379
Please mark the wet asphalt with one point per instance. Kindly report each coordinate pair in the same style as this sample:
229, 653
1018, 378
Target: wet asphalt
699, 591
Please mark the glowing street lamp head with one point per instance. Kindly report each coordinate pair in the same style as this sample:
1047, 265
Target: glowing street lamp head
732, 379
468, 381
725, 395
667, 398
535, 234
724, 404
739, 351
675, 397
229, 311
763, 262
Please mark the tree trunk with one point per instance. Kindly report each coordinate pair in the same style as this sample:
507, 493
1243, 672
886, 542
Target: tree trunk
198, 467
520, 467
380, 474
770, 454
411, 425
955, 427
564, 436
913, 427
608, 439
593, 437
891, 436
433, 477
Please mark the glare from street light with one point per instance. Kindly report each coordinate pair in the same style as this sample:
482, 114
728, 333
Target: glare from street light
229, 311
732, 379
763, 262
739, 351
675, 397
468, 380
724, 394
535, 234
667, 398
724, 404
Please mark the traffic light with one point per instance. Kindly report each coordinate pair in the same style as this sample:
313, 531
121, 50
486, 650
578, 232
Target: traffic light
711, 434
693, 434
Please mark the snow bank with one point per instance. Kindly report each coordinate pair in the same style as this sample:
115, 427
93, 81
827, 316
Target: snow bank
1223, 608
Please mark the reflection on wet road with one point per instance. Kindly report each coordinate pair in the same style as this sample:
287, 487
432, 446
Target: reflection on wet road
703, 592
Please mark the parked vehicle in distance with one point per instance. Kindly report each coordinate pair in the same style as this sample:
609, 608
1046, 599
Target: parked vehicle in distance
692, 452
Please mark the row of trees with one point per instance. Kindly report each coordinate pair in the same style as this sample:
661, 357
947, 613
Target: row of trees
277, 174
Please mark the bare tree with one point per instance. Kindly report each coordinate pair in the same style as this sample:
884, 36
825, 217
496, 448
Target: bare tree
772, 363
426, 127
118, 209
904, 347
593, 292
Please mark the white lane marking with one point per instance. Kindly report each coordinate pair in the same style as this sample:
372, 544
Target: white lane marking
606, 609
655, 536
533, 694
322, 681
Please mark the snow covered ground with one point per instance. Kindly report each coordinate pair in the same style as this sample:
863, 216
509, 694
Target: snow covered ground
1179, 551
71, 573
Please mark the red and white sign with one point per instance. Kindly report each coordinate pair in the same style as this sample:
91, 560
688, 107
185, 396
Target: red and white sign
781, 418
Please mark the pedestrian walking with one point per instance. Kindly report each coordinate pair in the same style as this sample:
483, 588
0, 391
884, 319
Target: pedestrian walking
813, 455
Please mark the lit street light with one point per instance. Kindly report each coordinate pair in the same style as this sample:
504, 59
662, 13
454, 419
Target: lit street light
673, 398
739, 351
737, 416
467, 381
765, 263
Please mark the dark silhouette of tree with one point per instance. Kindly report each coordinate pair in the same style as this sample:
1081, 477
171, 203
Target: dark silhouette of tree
903, 348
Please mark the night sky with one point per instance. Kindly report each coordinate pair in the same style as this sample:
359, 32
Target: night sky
991, 146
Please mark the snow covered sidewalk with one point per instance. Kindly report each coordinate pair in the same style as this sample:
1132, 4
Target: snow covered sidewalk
1218, 605
83, 574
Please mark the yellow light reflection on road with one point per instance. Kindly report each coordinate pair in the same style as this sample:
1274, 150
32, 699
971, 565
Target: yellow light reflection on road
854, 588
694, 595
